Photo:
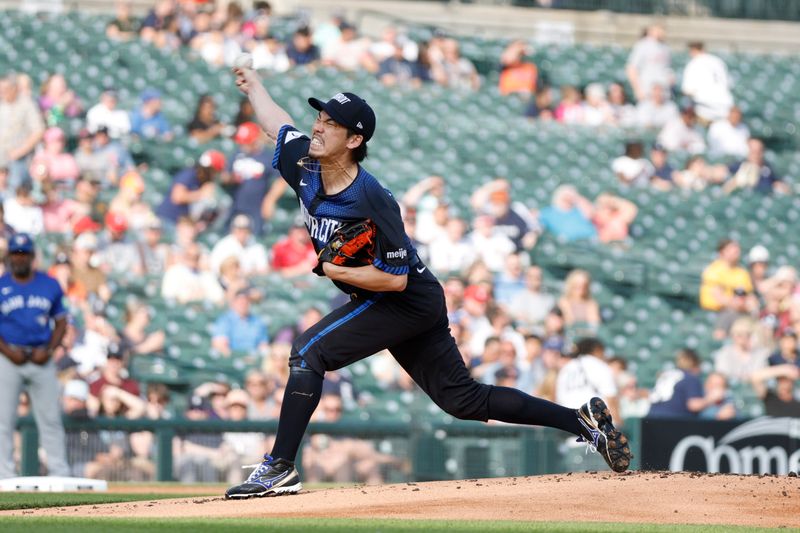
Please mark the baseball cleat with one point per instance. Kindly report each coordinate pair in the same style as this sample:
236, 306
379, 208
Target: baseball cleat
599, 433
271, 477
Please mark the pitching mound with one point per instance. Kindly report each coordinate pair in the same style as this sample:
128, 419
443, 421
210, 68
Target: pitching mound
654, 497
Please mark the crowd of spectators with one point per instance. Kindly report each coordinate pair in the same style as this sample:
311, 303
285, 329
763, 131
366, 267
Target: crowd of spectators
512, 328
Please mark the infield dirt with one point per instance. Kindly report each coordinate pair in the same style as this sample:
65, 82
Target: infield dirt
636, 497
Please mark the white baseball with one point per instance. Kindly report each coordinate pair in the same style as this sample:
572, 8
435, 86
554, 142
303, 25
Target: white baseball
243, 61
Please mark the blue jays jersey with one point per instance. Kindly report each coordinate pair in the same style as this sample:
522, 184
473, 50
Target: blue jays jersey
26, 309
364, 198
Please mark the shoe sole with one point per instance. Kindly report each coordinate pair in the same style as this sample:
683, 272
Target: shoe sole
618, 452
278, 491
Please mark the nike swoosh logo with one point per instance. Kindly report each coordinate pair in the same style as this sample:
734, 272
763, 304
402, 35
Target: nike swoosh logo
303, 183
308, 394
421, 270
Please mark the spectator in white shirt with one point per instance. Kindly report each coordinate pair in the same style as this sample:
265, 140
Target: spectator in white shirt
706, 82
633, 168
241, 244
22, 213
529, 307
105, 114
729, 136
650, 63
186, 281
492, 246
680, 134
450, 251
596, 109
587, 375
655, 111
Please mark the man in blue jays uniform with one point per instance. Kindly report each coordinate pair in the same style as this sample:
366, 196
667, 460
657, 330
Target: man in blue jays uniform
32, 324
395, 302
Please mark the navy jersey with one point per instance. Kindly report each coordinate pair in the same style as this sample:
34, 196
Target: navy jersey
26, 309
364, 198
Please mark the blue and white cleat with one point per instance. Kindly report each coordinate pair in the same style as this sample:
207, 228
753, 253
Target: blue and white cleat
599, 433
271, 477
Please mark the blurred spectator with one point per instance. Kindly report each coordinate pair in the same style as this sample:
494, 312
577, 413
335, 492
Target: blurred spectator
92, 165
270, 54
580, 309
723, 276
147, 121
706, 82
680, 133
59, 213
698, 174
349, 52
157, 19
596, 109
491, 246
185, 236
397, 69
85, 271
200, 457
569, 215
473, 318
655, 111
678, 393
517, 76
157, 398
246, 446
120, 254
238, 330
426, 197
633, 401
95, 341
739, 359
241, 244
114, 156
451, 251
612, 217
779, 300
253, 184
624, 112
738, 306
114, 374
245, 113
153, 254
22, 130
185, 281
510, 281
780, 399
587, 374
123, 27
755, 173
663, 173
787, 352
507, 374
530, 306
205, 126
137, 336
22, 213
341, 459
193, 190
301, 50
294, 254
532, 367
728, 136
454, 71
259, 390
570, 109
758, 265
384, 48
498, 324
105, 114
541, 106
329, 32
82, 446
650, 63
128, 202
511, 219
52, 162
633, 168
719, 399
57, 101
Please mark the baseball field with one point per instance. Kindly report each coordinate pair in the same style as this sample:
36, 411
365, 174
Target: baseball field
592, 501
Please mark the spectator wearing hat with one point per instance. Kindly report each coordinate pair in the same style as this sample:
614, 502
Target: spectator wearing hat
739, 306
758, 265
680, 133
723, 276
706, 82
192, 188
530, 306
780, 399
22, 130
253, 184
241, 243
205, 126
247, 447
147, 121
754, 173
114, 374
120, 254
294, 254
200, 457
105, 114
473, 318
22, 212
52, 162
787, 352
187, 280
728, 136
238, 330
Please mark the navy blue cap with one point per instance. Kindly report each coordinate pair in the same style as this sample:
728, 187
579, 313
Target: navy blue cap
21, 243
350, 111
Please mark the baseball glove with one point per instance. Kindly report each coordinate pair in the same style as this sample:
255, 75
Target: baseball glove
351, 245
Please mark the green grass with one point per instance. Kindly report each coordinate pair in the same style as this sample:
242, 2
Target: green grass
28, 524
33, 500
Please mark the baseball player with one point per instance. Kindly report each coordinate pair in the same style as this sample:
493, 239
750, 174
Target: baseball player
395, 302
32, 324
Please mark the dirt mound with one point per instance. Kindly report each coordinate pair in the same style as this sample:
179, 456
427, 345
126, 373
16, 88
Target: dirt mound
652, 497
